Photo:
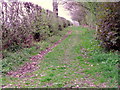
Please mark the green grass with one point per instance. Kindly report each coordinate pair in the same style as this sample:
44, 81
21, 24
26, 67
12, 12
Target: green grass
77, 61
104, 63
13, 60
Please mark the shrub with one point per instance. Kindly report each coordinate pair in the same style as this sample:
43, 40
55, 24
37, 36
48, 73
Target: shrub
16, 24
109, 26
24, 22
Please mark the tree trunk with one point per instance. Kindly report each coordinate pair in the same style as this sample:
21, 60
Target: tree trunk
55, 7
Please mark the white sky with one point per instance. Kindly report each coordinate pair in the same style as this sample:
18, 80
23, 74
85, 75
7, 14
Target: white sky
47, 4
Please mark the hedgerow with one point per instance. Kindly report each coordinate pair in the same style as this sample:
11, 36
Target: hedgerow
25, 22
109, 25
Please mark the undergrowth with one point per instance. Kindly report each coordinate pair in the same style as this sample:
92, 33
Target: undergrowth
13, 60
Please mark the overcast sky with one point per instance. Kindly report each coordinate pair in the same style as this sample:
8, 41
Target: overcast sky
47, 4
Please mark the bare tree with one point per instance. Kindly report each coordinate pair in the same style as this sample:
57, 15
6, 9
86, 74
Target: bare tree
76, 9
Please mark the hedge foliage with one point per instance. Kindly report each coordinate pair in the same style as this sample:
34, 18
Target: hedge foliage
105, 17
24, 22
109, 25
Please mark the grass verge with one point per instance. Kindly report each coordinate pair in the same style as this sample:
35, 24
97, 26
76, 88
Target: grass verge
13, 60
77, 62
